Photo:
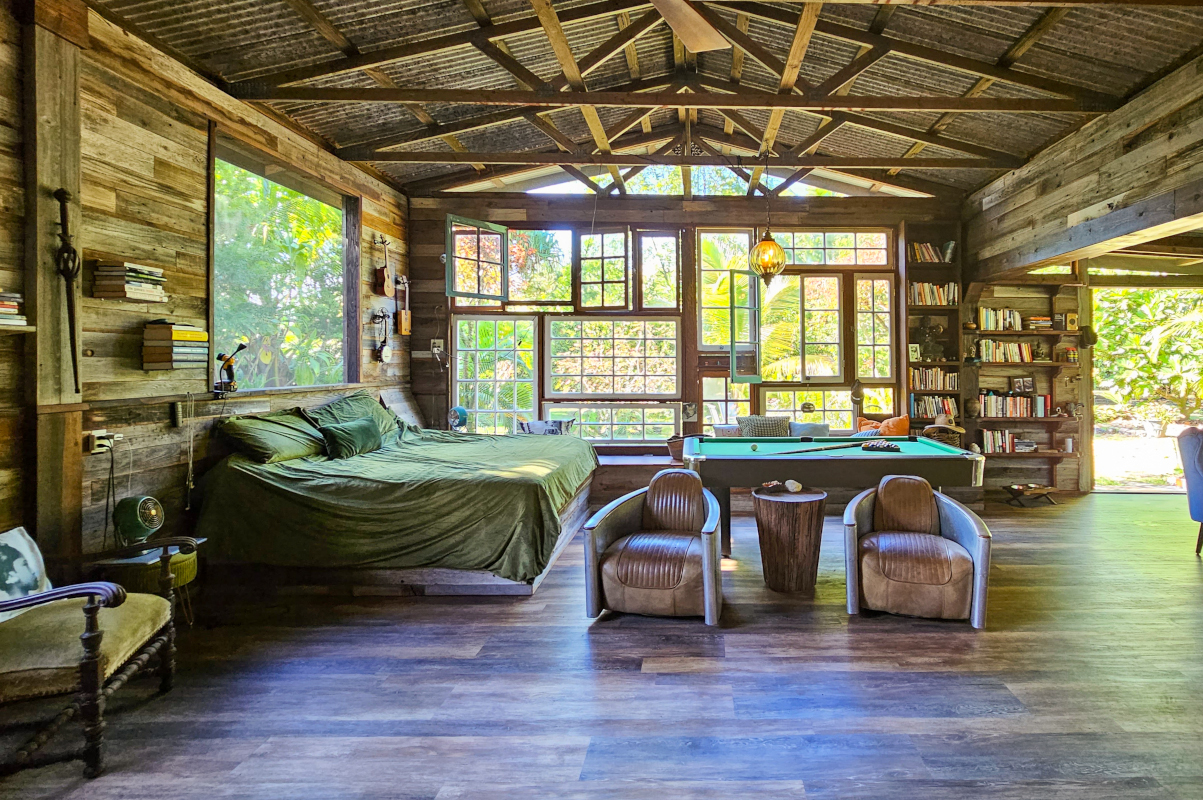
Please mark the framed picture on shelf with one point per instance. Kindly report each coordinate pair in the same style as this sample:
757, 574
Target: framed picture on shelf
1071, 320
913, 352
1023, 384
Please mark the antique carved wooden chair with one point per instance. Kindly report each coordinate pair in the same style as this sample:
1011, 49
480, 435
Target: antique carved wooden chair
50, 648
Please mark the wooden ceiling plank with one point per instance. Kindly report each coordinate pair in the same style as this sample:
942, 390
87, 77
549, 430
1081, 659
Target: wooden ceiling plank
617, 98
931, 55
317, 20
630, 51
554, 30
425, 46
511, 65
841, 81
741, 39
618, 43
789, 80
552, 132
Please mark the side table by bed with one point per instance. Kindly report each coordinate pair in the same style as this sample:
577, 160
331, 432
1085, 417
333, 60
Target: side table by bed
790, 527
141, 574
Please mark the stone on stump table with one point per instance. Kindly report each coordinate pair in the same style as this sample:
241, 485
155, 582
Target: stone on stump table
791, 529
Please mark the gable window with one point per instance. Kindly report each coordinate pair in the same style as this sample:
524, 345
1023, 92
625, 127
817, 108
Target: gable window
540, 266
278, 276
604, 270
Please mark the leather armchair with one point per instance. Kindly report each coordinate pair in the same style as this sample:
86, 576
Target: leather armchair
655, 551
891, 565
41, 653
1190, 449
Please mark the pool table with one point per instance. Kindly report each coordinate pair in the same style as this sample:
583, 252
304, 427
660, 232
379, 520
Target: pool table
728, 461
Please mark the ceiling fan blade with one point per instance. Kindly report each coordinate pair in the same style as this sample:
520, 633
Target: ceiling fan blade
691, 28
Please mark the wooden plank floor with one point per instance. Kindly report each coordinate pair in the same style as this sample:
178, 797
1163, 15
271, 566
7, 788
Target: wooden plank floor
1085, 686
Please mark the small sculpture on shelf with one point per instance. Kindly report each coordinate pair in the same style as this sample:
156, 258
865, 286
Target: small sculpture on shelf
930, 346
1040, 352
973, 407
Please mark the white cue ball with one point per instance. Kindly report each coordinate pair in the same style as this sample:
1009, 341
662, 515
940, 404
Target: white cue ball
753, 447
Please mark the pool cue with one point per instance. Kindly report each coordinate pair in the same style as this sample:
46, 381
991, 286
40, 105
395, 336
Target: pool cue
817, 449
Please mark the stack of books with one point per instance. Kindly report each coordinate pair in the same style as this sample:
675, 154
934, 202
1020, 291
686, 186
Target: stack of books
930, 253
174, 345
998, 442
11, 309
928, 407
125, 281
1040, 323
999, 319
992, 351
933, 379
935, 294
1015, 405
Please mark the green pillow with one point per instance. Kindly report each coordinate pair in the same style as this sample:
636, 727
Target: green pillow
359, 405
353, 438
278, 436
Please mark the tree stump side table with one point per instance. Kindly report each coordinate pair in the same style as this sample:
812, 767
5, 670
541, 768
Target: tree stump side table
790, 527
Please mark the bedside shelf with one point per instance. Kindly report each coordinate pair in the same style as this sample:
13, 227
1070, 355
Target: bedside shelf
976, 332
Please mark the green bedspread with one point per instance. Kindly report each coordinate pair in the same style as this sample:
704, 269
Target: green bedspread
426, 499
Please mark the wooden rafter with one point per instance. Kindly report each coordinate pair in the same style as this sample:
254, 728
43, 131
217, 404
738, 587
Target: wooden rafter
1024, 43
737, 64
788, 81
610, 159
507, 97
582, 177
667, 147
559, 45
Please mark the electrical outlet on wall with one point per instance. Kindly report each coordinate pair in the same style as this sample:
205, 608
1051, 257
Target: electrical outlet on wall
436, 346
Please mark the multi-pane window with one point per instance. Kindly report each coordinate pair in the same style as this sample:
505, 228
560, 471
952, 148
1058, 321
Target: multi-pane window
874, 321
878, 400
833, 406
658, 269
477, 255
618, 423
495, 371
818, 248
722, 402
540, 266
821, 326
719, 252
801, 329
604, 270
612, 357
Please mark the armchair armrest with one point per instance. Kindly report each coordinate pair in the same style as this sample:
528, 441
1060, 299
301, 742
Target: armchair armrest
185, 544
965, 528
107, 594
615, 520
713, 514
858, 520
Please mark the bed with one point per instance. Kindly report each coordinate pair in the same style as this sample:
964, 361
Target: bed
435, 511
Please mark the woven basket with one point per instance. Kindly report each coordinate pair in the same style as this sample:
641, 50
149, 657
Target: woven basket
676, 445
946, 437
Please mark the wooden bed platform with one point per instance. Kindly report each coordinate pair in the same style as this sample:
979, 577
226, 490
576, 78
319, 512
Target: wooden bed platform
364, 581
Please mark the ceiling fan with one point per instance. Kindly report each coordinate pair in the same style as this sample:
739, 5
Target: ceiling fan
691, 28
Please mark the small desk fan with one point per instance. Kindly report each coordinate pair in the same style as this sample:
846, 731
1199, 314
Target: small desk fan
457, 418
136, 518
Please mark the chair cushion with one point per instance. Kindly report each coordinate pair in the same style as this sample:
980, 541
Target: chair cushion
654, 572
905, 503
917, 574
40, 650
674, 502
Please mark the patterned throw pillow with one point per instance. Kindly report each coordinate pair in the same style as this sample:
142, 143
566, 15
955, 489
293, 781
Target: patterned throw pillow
763, 426
726, 430
867, 434
548, 427
809, 429
22, 571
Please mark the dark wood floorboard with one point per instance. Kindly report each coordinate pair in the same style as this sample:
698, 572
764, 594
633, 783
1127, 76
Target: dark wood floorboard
1086, 686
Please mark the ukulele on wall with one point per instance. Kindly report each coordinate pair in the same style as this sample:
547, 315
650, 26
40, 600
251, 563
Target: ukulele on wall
385, 281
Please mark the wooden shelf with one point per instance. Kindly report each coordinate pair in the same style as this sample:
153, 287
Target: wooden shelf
936, 391
1021, 420
976, 332
1052, 454
17, 329
932, 263
933, 308
942, 364
1025, 364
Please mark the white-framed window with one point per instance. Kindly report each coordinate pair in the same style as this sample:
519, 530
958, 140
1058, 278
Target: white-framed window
494, 360
833, 406
875, 326
723, 401
835, 248
618, 423
612, 358
605, 275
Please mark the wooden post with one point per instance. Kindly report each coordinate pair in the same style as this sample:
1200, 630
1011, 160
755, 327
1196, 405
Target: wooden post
53, 31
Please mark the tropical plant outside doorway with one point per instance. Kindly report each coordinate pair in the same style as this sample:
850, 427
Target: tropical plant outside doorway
1148, 379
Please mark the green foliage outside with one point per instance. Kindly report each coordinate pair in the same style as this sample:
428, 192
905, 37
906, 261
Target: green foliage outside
1149, 358
540, 266
278, 278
